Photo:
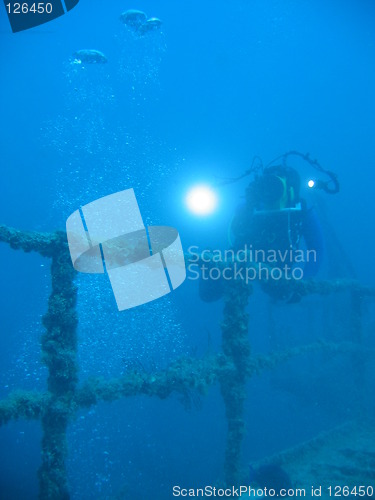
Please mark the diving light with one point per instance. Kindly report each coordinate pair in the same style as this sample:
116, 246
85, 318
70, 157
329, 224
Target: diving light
317, 184
331, 186
201, 200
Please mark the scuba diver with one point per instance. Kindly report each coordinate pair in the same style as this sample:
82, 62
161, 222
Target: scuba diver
275, 223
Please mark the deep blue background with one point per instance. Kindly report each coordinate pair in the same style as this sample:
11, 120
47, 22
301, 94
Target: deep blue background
222, 82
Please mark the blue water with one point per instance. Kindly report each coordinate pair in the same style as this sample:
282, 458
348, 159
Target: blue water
194, 102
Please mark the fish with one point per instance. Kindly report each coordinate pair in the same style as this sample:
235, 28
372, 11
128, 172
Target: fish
89, 56
133, 18
151, 24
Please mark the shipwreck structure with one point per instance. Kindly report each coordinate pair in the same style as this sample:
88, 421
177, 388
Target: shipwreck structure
231, 368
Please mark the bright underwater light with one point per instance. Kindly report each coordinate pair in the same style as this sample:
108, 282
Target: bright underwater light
201, 200
311, 183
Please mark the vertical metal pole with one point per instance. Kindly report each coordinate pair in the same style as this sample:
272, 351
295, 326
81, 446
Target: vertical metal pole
357, 360
236, 349
59, 348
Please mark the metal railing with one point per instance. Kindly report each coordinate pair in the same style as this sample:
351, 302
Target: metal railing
231, 368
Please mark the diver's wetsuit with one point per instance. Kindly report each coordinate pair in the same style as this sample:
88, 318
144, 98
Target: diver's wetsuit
278, 230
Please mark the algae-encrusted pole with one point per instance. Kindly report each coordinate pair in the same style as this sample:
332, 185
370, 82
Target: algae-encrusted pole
59, 346
359, 367
59, 349
236, 348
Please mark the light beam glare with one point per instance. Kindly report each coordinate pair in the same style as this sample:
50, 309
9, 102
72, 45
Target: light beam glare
201, 200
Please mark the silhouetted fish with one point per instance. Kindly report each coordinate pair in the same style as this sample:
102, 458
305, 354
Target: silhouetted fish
150, 25
133, 18
90, 56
